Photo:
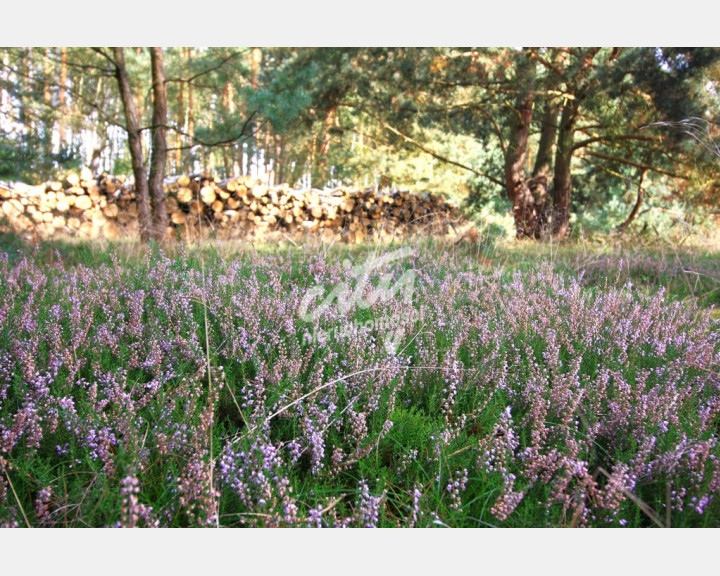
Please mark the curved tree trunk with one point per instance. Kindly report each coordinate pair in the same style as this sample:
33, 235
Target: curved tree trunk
135, 144
562, 181
540, 181
159, 146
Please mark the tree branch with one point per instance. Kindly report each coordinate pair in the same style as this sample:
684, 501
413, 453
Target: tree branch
422, 147
217, 144
208, 70
105, 55
436, 155
635, 164
620, 138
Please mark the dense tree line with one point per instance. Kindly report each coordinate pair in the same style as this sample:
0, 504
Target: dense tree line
552, 130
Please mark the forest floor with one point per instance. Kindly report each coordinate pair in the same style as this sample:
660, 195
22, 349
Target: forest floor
423, 383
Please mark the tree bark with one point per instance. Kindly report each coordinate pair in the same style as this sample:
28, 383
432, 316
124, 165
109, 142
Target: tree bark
135, 144
515, 180
191, 114
24, 85
281, 159
516, 183
540, 181
182, 128
159, 146
47, 72
562, 181
62, 95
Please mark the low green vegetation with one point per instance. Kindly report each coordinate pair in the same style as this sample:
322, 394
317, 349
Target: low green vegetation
491, 384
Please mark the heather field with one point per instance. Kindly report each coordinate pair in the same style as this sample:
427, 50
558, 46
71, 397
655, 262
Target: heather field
408, 385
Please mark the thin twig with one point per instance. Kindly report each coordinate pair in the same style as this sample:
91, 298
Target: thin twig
642, 505
22, 511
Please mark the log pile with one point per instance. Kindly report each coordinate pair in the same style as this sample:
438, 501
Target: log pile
81, 205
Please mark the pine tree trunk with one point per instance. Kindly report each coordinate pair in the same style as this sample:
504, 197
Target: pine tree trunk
280, 161
23, 89
539, 183
516, 183
256, 59
5, 77
135, 144
159, 146
191, 113
253, 147
181, 126
62, 95
562, 181
47, 72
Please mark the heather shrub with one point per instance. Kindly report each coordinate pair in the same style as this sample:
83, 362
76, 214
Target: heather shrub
190, 391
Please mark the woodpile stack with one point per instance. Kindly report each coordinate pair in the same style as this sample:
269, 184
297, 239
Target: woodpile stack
232, 208
76, 205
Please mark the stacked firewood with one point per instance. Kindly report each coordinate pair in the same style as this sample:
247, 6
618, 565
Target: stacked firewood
235, 207
76, 205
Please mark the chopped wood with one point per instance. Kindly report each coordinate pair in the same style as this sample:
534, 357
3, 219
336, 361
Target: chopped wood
111, 211
83, 202
234, 207
197, 207
259, 191
178, 217
185, 195
207, 194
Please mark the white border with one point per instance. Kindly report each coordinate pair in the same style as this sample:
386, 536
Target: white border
389, 551
367, 23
